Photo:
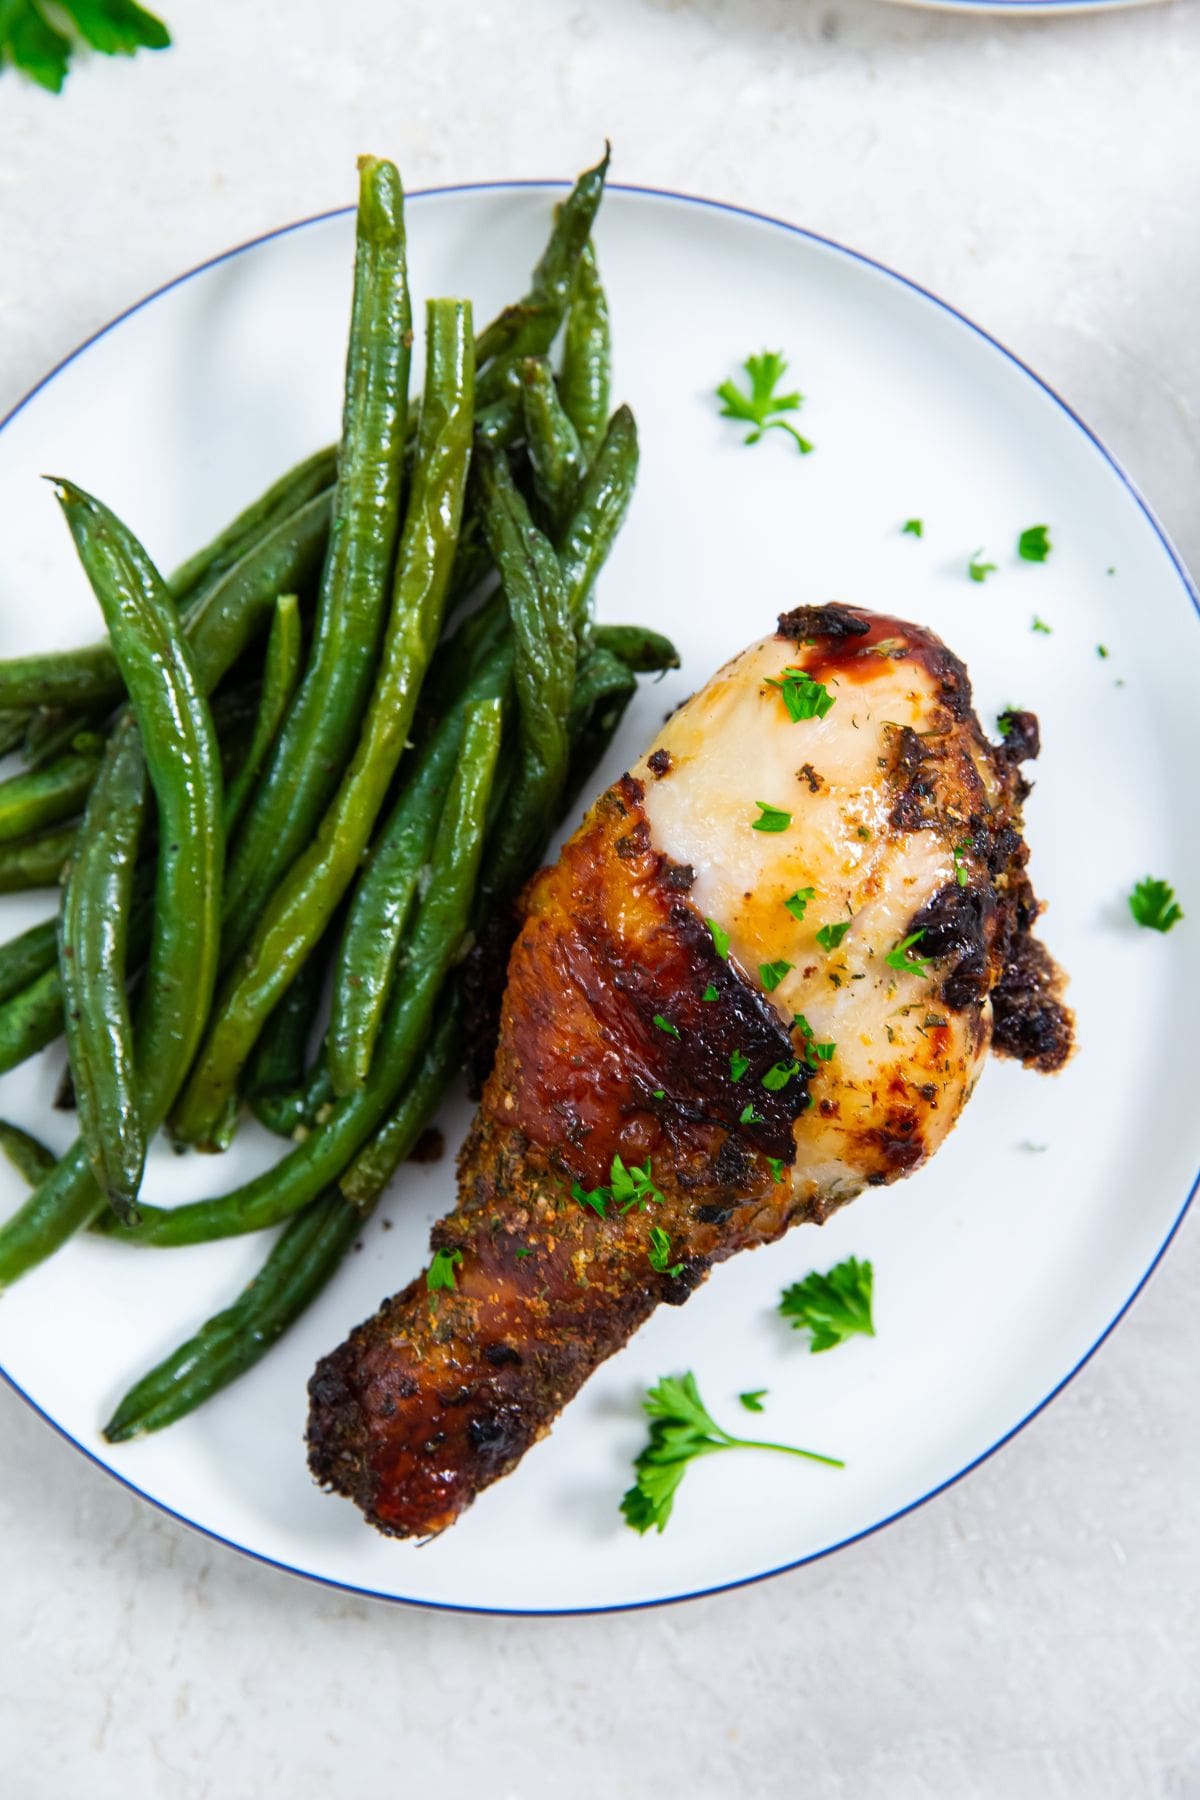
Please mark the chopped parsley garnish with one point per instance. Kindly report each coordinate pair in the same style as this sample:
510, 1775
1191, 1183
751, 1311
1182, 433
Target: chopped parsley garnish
753, 1401
1153, 904
720, 937
777, 1165
814, 1054
738, 1064
710, 993
523, 1253
772, 973
1041, 625
440, 1273
681, 1429
803, 697
666, 1025
749, 1116
779, 1075
1102, 650
773, 818
979, 570
1033, 545
901, 956
832, 1307
659, 1252
914, 527
830, 936
797, 903
627, 1188
960, 868
660, 1094
761, 407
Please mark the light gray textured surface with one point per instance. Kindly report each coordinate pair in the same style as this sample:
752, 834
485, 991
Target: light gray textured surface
1035, 1632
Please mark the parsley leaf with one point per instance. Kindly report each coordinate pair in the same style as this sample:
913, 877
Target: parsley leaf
681, 1429
1041, 625
979, 570
959, 853
901, 957
773, 818
797, 903
720, 936
753, 1402
1102, 650
710, 993
803, 697
659, 1252
597, 1198
914, 527
814, 1054
779, 1075
738, 1064
772, 973
666, 1025
1153, 904
777, 1165
1033, 545
440, 1273
830, 936
35, 46
760, 407
627, 1188
523, 1253
749, 1116
832, 1307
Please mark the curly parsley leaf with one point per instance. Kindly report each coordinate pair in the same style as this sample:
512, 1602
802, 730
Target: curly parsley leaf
682, 1429
832, 1307
34, 44
1153, 904
1034, 545
761, 406
440, 1273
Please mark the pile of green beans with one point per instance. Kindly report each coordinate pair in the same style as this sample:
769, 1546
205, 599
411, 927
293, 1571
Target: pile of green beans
380, 686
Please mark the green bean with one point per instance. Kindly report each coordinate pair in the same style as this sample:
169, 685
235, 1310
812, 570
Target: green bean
436, 940
31, 1018
85, 676
587, 354
555, 458
35, 862
530, 326
14, 723
379, 910
603, 689
300, 909
27, 1154
289, 1112
603, 502
315, 475
300, 1264
280, 1060
32, 801
281, 671
26, 957
640, 649
93, 932
543, 668
181, 758
323, 720
54, 730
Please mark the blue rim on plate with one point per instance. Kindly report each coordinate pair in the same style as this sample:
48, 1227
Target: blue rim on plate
1189, 590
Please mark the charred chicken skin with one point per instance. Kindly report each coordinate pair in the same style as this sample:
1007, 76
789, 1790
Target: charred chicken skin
864, 868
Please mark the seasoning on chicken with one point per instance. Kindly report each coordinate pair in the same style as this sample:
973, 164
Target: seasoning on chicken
763, 974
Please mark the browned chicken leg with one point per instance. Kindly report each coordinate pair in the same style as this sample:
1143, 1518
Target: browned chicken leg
763, 974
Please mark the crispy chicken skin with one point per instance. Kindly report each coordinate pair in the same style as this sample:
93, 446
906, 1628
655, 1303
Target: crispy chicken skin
625, 1032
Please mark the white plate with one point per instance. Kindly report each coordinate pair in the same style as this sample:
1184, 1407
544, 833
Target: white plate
998, 1268
1017, 8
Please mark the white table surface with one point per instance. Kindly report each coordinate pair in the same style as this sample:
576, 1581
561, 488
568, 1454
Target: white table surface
1032, 1633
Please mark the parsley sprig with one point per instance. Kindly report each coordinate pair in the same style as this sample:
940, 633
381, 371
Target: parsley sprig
901, 957
761, 407
832, 1307
804, 697
1153, 904
31, 41
681, 1429
440, 1273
